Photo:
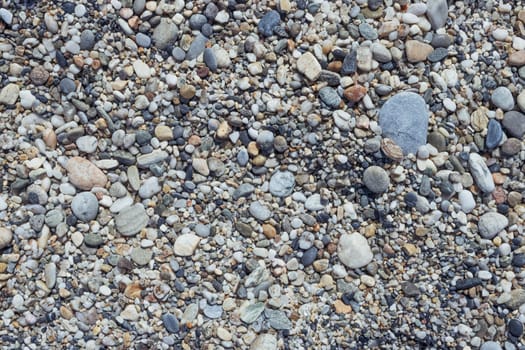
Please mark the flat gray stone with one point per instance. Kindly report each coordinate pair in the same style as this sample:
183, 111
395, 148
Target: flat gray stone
260, 211
131, 220
490, 224
251, 312
141, 256
165, 33
404, 119
282, 183
157, 156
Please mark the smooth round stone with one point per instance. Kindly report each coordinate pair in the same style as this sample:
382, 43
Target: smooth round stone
330, 97
520, 100
202, 230
93, 240
67, 86
197, 47
143, 40
197, 20
515, 328
212, 311
265, 140
514, 123
353, 250
87, 144
309, 256
282, 183
171, 323
376, 179
511, 147
178, 54
87, 40
260, 211
84, 174
404, 119
490, 345
502, 98
494, 134
441, 40
268, 22
6, 237
313, 203
490, 224
85, 206
141, 256
500, 34
54, 217
466, 201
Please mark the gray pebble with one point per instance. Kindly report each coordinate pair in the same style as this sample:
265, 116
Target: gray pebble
260, 211
85, 206
376, 179
282, 183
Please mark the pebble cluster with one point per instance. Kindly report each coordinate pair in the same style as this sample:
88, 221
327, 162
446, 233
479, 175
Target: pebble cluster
245, 174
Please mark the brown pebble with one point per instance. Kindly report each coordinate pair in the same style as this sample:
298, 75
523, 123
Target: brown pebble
517, 59
50, 138
417, 51
499, 195
39, 75
514, 198
187, 91
391, 149
342, 308
510, 147
269, 231
355, 93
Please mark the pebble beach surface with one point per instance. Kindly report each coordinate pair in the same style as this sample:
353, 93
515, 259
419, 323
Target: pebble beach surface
241, 174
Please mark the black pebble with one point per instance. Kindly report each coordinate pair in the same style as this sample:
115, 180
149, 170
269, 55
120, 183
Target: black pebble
515, 327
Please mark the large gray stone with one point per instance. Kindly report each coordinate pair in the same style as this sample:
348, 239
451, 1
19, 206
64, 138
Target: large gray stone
131, 220
165, 33
437, 13
404, 119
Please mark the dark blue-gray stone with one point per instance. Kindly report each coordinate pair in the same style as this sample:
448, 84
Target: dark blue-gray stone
210, 59
197, 47
349, 63
309, 256
197, 21
494, 134
404, 119
515, 327
438, 54
171, 323
514, 123
269, 22
67, 86
330, 97
87, 40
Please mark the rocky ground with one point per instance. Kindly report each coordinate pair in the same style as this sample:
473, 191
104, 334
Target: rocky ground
262, 174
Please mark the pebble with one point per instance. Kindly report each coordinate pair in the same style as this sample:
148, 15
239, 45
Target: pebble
264, 342
353, 250
186, 244
514, 123
85, 206
490, 224
481, 173
141, 256
490, 345
282, 183
467, 201
171, 323
67, 86
149, 187
142, 70
502, 98
515, 327
85, 175
164, 33
259, 211
6, 16
9, 94
308, 65
197, 47
87, 40
494, 134
417, 51
131, 220
249, 313
87, 144
437, 13
404, 119
268, 23
6, 237
330, 97
376, 179
210, 59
